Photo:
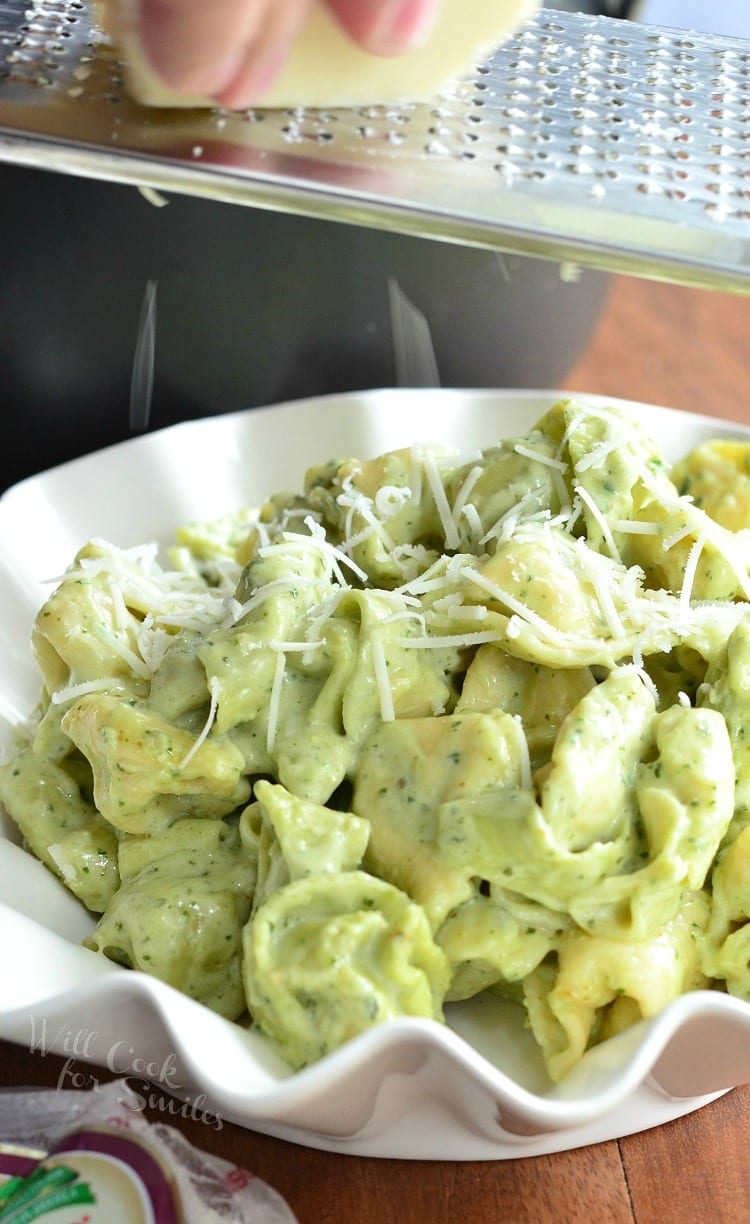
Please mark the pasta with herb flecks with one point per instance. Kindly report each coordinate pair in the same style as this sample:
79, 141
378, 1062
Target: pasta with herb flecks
439, 723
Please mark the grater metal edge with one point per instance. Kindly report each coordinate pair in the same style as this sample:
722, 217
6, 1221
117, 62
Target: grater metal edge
587, 140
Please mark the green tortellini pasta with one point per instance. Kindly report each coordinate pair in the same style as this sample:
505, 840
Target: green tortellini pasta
573, 994
183, 902
143, 778
62, 827
328, 956
437, 723
409, 774
293, 838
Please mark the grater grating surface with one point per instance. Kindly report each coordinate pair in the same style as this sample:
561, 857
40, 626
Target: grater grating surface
588, 139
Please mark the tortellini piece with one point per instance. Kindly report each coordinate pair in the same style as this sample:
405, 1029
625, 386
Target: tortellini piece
716, 475
439, 723
541, 697
567, 998
146, 772
61, 827
327, 957
409, 770
293, 838
727, 690
180, 911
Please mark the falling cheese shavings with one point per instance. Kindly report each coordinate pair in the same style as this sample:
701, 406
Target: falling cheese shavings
413, 350
154, 197
213, 688
142, 378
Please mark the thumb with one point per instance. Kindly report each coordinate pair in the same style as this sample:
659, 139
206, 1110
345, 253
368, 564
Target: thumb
198, 47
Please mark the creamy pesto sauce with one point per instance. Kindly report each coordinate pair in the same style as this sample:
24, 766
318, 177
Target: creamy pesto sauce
436, 725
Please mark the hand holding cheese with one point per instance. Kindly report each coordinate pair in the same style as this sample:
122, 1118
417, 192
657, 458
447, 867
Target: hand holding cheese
288, 53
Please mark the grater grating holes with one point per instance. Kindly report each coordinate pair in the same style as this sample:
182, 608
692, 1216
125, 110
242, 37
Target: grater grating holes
574, 115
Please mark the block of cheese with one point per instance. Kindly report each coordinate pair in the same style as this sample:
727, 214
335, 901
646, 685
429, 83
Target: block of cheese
326, 69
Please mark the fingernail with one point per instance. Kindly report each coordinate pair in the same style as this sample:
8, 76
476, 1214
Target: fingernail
402, 25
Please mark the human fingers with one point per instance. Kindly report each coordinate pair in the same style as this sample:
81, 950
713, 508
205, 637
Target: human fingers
229, 49
386, 27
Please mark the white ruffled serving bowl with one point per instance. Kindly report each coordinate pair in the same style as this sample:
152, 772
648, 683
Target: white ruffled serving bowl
474, 1089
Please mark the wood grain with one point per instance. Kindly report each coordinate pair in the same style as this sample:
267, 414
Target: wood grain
666, 345
693, 1169
326, 1188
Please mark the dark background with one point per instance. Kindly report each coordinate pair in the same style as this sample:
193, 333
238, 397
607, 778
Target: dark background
252, 308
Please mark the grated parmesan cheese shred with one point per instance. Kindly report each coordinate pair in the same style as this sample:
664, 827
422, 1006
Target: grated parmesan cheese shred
591, 564
545, 630
636, 527
62, 863
691, 568
669, 543
602, 523
539, 457
513, 515
213, 689
457, 641
382, 680
524, 755
72, 692
149, 604
437, 489
637, 669
464, 493
274, 702
473, 521
596, 456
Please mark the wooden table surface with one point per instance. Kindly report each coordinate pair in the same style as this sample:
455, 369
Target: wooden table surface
662, 344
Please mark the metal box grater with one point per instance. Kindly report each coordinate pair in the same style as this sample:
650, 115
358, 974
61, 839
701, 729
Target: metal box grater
584, 139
